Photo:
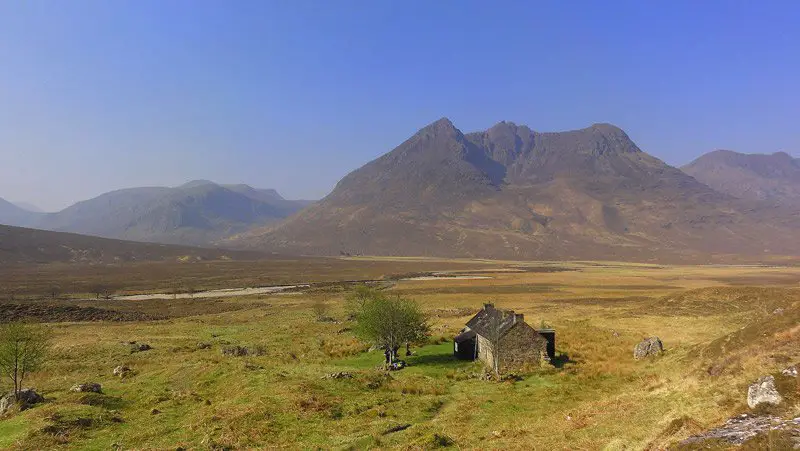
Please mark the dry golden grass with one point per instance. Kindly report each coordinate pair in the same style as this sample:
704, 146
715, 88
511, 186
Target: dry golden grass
598, 396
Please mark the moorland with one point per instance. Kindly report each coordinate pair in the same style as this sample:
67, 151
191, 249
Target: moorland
314, 384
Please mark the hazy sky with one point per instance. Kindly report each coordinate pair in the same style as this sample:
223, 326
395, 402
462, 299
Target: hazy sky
100, 95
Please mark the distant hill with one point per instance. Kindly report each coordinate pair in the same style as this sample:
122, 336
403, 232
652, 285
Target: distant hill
28, 206
12, 214
766, 177
196, 213
510, 192
24, 246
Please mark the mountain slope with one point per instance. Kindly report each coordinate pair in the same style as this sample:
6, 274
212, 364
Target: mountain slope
11, 214
198, 213
28, 207
774, 178
510, 192
24, 246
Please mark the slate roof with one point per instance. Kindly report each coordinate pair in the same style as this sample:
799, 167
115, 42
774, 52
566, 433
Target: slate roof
464, 336
482, 322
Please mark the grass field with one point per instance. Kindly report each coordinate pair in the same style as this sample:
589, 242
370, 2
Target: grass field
718, 324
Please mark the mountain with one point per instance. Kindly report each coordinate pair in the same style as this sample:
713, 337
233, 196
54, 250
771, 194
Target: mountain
11, 214
196, 213
510, 192
28, 206
774, 178
24, 246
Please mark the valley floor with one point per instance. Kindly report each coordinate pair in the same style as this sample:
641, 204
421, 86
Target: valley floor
723, 327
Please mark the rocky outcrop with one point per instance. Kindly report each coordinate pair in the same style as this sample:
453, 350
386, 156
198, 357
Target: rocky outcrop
27, 397
763, 391
648, 347
790, 372
739, 430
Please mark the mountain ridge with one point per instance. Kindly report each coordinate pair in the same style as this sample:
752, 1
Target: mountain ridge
198, 212
772, 178
511, 192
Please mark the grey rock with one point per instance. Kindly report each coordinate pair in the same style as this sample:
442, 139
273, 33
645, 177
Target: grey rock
791, 371
140, 347
763, 391
122, 371
242, 351
339, 375
27, 398
741, 429
648, 347
87, 387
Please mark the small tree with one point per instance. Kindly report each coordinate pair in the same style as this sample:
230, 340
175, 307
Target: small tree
355, 301
23, 349
389, 322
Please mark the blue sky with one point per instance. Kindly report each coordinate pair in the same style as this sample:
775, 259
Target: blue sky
101, 95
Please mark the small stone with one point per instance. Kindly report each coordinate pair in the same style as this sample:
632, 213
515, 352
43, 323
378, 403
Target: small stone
763, 391
398, 428
791, 371
203, 345
140, 347
339, 375
155, 412
241, 351
88, 387
122, 371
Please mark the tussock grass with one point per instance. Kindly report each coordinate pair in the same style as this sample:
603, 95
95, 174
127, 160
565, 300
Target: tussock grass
596, 397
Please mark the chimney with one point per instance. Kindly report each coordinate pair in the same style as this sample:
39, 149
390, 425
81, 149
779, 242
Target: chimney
519, 318
488, 307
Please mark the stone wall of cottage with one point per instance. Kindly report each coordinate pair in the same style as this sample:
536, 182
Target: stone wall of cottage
485, 350
522, 347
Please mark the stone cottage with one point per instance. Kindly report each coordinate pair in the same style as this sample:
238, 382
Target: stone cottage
520, 344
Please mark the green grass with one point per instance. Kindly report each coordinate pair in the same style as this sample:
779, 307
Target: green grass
600, 397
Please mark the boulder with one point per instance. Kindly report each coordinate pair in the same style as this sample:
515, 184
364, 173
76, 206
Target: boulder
122, 371
791, 371
763, 391
87, 387
648, 347
27, 398
140, 347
